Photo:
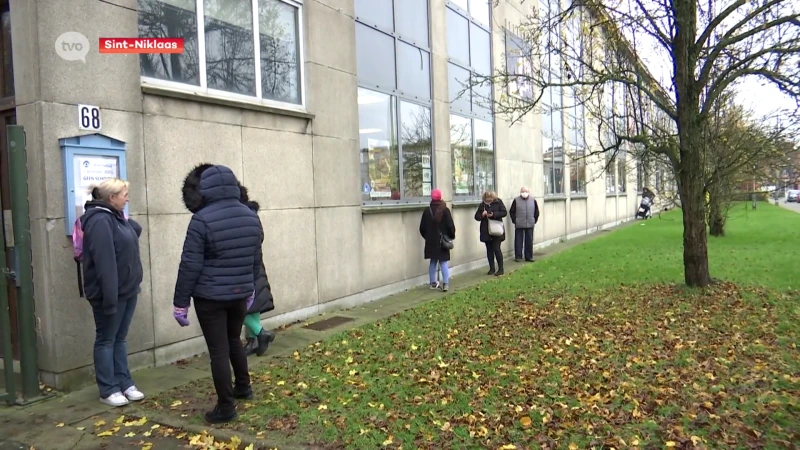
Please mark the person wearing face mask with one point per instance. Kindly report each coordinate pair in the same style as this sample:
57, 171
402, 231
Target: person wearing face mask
524, 215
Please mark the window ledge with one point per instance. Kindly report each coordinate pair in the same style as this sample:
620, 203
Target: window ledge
580, 196
200, 97
612, 194
555, 198
465, 203
383, 209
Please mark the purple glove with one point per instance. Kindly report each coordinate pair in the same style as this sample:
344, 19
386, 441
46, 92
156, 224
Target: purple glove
181, 315
250, 300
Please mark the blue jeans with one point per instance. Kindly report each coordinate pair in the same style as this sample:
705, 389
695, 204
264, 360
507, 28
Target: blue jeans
445, 271
111, 346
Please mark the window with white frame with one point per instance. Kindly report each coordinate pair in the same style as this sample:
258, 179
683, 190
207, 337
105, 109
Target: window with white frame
552, 104
469, 52
394, 100
244, 49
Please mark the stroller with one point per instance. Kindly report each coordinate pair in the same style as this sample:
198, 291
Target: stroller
645, 210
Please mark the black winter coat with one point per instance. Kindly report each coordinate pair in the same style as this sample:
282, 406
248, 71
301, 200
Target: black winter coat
498, 210
222, 250
429, 230
112, 264
263, 301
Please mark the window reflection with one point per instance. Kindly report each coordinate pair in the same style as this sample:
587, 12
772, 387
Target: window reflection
380, 168
375, 62
457, 37
458, 87
463, 159
414, 71
280, 51
376, 12
412, 21
230, 53
170, 19
479, 10
484, 156
415, 137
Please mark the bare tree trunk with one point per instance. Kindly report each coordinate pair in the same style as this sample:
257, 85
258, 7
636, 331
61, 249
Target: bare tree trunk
695, 240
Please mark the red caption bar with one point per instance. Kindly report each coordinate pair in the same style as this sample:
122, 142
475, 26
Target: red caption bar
141, 45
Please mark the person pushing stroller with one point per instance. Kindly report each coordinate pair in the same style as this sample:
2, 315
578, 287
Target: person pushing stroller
645, 207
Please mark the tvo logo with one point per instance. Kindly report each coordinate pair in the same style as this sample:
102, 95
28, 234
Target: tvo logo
72, 46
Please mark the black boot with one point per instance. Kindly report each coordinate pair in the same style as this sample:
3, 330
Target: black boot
265, 337
491, 271
243, 393
221, 415
250, 347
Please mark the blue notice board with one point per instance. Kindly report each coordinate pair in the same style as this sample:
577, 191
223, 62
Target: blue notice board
88, 160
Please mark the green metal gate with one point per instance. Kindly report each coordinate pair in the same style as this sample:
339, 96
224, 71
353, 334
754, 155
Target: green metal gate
21, 275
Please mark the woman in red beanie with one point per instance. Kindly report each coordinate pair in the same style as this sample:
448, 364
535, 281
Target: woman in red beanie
439, 231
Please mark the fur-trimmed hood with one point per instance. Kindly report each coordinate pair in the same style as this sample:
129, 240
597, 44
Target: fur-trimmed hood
193, 199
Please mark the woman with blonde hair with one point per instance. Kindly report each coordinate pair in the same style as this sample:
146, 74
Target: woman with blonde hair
112, 272
490, 214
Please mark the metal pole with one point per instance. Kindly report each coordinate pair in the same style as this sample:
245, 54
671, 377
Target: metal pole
18, 177
5, 329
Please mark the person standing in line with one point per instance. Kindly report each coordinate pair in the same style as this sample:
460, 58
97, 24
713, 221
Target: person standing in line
490, 214
437, 228
524, 215
112, 275
221, 255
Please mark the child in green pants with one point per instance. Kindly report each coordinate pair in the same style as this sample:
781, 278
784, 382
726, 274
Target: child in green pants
258, 339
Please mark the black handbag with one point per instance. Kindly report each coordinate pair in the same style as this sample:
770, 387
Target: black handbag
444, 241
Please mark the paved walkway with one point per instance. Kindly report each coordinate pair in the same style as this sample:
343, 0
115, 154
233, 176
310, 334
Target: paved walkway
792, 206
66, 421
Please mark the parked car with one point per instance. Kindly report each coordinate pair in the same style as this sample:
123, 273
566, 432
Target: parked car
793, 197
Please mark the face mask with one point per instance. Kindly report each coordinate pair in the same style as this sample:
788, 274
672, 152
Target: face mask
524, 195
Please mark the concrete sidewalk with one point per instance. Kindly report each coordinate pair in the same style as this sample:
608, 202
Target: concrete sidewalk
65, 422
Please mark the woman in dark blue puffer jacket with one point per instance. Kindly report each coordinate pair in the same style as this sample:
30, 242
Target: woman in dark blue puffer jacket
221, 257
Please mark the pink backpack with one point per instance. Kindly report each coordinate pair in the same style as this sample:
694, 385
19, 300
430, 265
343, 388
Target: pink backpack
77, 250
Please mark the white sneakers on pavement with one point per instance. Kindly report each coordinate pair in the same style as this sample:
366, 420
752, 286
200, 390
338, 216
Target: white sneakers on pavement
121, 399
133, 394
115, 399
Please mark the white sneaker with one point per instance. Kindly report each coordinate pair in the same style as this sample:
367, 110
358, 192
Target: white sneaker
115, 399
133, 394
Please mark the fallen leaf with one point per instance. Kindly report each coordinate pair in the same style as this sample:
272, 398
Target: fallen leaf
526, 422
60, 425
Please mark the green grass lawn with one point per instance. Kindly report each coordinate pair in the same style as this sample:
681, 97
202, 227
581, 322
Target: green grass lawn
597, 347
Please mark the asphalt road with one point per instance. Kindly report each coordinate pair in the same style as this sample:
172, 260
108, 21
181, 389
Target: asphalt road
793, 206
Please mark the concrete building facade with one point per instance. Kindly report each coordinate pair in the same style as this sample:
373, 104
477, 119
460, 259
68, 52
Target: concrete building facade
339, 116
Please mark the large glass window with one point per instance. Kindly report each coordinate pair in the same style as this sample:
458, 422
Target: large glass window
552, 105
469, 51
380, 159
519, 66
472, 145
244, 56
576, 115
463, 155
394, 100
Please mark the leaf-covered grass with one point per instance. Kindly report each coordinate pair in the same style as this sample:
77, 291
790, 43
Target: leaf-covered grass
599, 346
